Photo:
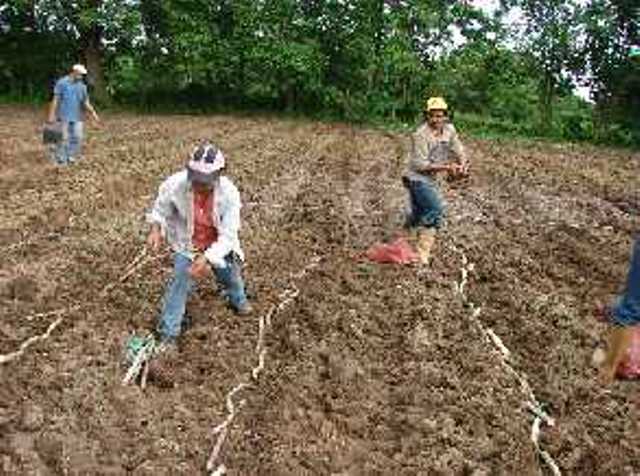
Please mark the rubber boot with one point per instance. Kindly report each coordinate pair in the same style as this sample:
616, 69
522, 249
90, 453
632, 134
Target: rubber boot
619, 341
426, 241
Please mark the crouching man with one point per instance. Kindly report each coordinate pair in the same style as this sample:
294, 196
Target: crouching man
197, 211
435, 150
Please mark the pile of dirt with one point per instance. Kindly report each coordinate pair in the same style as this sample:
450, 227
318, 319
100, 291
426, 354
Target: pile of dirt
371, 369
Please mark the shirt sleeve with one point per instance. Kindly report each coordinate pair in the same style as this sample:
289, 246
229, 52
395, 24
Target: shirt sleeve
227, 229
85, 94
419, 151
457, 148
162, 206
57, 89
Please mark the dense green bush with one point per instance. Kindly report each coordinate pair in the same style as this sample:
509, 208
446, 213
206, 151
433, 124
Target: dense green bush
573, 120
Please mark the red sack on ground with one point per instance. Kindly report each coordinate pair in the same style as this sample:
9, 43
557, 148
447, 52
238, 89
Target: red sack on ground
629, 368
398, 251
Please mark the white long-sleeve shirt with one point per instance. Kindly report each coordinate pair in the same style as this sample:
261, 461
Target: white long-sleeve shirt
173, 211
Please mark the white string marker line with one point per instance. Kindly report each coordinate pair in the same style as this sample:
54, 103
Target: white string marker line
138, 262
55, 312
131, 268
223, 428
546, 457
222, 469
30, 341
264, 323
28, 241
540, 415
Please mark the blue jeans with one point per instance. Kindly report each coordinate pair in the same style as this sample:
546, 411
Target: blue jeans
427, 205
181, 285
626, 312
69, 148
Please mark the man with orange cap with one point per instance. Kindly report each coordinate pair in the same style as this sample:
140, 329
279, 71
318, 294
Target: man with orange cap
435, 150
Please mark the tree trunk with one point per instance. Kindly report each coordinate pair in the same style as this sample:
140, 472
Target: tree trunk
290, 97
546, 104
30, 14
601, 116
92, 53
93, 58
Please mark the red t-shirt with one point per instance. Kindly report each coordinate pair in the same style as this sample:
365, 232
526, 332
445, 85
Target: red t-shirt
204, 231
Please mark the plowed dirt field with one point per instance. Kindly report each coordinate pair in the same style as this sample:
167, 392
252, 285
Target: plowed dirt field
369, 369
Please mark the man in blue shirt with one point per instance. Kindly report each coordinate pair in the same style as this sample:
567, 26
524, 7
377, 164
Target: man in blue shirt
70, 98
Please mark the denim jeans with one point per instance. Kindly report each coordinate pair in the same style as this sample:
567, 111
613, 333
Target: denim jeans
427, 205
69, 148
181, 285
626, 312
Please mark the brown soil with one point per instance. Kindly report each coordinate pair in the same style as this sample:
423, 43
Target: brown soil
371, 369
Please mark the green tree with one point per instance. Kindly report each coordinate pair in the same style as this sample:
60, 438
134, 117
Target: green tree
548, 39
610, 28
88, 29
28, 56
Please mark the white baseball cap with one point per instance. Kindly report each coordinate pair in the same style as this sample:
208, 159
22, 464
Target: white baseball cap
206, 159
79, 68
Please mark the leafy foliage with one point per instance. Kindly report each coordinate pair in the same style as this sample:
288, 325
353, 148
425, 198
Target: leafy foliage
354, 59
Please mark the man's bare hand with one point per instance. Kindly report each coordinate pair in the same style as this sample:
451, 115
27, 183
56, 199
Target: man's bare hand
97, 121
199, 268
436, 168
458, 171
155, 240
